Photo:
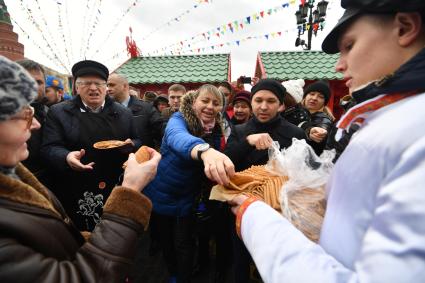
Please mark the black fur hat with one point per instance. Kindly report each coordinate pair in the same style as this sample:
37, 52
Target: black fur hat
89, 67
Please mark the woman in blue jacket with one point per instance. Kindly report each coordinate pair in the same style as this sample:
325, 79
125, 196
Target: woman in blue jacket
189, 149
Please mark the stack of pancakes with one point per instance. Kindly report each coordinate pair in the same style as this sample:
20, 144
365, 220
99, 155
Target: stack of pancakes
304, 207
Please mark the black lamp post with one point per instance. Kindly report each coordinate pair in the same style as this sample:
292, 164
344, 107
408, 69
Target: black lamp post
314, 23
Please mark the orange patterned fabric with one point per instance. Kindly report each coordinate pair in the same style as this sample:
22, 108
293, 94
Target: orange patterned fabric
353, 115
241, 211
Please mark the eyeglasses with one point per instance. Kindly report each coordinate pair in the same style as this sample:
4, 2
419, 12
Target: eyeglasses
89, 83
26, 114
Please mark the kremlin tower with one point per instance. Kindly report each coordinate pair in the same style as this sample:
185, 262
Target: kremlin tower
9, 45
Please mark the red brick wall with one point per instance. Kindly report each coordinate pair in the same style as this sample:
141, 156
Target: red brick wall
9, 45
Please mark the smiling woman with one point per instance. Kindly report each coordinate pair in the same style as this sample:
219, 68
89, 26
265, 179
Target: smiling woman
26, 251
190, 147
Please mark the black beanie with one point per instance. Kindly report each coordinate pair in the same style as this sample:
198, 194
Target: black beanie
272, 85
319, 86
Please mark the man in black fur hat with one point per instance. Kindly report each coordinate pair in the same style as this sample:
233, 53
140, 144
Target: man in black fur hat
86, 175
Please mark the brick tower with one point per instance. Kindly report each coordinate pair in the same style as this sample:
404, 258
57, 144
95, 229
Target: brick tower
9, 45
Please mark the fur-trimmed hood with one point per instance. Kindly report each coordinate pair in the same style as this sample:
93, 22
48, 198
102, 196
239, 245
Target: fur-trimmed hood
194, 124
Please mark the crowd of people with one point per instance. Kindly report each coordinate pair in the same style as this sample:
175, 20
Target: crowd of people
71, 213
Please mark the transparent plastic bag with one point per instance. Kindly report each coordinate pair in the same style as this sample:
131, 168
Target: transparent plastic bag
302, 197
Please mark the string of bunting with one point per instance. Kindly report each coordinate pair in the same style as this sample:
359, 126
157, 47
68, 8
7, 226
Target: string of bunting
94, 24
134, 4
237, 42
49, 32
69, 30
53, 60
37, 26
230, 27
62, 33
176, 19
83, 30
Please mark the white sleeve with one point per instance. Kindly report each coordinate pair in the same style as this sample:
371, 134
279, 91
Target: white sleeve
393, 248
282, 253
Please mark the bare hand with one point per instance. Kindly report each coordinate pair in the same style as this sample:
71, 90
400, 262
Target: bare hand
217, 166
236, 202
254, 81
129, 141
260, 141
138, 175
317, 134
74, 161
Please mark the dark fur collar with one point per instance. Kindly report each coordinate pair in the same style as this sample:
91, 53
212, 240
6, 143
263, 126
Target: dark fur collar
28, 191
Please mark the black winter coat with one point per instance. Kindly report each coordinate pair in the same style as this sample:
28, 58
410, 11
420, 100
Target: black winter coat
147, 121
61, 130
67, 129
244, 155
302, 118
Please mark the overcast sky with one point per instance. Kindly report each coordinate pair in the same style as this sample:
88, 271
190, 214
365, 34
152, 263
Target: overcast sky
58, 33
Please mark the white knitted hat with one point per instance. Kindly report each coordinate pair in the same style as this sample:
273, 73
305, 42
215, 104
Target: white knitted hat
295, 89
17, 88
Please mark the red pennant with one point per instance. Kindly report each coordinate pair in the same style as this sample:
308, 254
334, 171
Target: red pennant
262, 14
241, 24
279, 33
217, 34
302, 2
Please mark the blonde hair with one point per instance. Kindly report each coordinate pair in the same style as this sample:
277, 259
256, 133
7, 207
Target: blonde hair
188, 113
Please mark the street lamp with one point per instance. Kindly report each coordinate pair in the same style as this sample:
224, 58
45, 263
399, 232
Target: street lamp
314, 23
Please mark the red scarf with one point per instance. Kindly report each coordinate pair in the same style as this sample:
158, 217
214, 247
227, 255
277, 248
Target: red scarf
358, 113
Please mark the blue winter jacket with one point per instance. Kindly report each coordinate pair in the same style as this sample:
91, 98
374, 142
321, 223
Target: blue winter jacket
178, 179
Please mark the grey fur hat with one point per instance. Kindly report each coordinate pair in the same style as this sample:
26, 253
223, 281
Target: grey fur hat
17, 88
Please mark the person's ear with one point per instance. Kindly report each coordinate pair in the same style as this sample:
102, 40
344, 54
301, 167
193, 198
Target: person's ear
409, 27
281, 108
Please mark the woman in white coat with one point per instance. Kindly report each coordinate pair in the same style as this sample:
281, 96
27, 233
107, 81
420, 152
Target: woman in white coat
374, 225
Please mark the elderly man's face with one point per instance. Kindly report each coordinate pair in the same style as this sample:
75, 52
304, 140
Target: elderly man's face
92, 90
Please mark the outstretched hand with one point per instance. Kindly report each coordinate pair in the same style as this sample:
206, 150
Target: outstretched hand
236, 202
74, 161
260, 141
317, 134
138, 175
217, 166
